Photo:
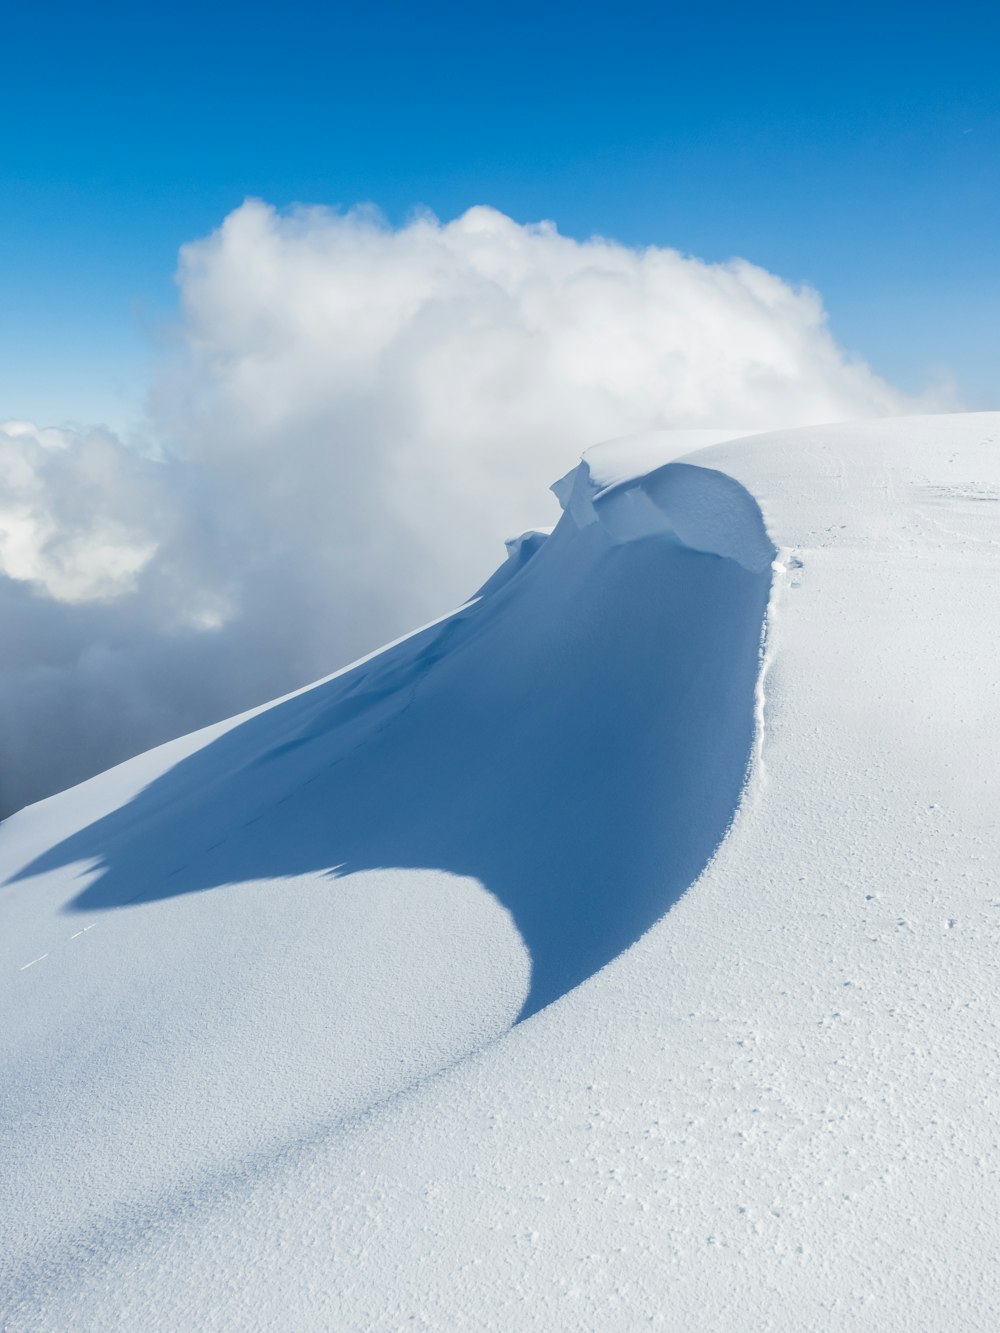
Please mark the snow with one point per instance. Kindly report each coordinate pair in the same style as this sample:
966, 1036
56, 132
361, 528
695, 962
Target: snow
262, 1060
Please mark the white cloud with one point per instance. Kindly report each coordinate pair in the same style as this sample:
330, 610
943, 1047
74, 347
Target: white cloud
77, 515
356, 419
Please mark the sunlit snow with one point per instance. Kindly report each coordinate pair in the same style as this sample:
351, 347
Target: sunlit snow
618, 951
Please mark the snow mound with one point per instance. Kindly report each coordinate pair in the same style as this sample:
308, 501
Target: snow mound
262, 1063
295, 916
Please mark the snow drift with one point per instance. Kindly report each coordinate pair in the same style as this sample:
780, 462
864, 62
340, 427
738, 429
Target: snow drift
234, 963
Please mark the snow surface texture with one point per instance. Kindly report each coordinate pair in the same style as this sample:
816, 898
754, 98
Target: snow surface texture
261, 1061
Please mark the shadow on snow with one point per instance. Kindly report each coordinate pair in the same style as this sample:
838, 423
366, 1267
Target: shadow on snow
577, 741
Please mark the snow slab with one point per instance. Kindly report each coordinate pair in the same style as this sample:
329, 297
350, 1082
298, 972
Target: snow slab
479, 987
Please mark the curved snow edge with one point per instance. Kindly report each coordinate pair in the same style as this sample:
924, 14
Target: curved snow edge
702, 509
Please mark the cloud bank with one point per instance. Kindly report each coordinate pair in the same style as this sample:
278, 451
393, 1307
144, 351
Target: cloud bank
353, 419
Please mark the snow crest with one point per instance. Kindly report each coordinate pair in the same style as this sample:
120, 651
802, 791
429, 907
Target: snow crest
366, 882
698, 507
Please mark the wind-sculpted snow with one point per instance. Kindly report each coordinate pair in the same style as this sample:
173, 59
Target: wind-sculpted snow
364, 882
528, 740
776, 1110
696, 507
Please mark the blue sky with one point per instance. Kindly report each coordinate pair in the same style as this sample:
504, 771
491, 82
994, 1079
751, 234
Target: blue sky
854, 147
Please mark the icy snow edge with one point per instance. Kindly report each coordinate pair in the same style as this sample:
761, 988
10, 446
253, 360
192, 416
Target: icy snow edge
702, 509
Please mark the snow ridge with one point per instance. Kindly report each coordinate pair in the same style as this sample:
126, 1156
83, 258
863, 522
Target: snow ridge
318, 907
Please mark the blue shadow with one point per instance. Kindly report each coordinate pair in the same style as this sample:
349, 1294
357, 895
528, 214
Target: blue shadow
577, 740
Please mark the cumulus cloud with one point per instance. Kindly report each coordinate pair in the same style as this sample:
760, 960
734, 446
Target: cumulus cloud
353, 420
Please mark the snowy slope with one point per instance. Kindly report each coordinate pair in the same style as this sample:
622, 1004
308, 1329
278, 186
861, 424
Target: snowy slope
259, 985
